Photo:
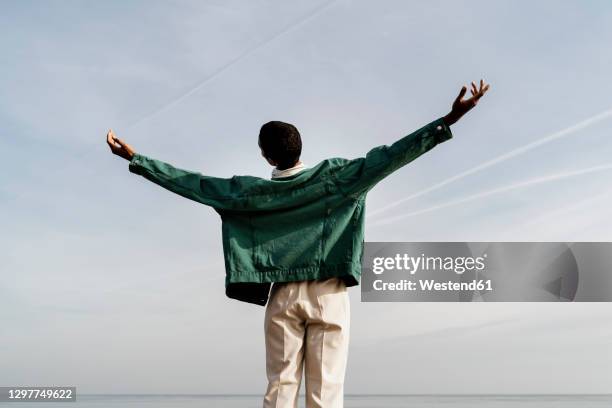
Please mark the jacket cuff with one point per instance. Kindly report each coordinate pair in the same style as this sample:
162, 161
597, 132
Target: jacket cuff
441, 130
136, 163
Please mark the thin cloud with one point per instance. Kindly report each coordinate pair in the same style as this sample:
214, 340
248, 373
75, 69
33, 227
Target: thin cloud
291, 27
504, 189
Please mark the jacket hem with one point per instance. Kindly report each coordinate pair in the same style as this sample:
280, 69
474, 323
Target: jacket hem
296, 274
254, 287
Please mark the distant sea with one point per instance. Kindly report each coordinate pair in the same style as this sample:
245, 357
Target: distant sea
351, 401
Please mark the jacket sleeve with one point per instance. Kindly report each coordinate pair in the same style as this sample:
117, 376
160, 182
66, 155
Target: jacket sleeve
359, 175
219, 193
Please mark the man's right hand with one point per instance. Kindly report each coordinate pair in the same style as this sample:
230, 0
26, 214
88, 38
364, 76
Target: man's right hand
119, 147
462, 106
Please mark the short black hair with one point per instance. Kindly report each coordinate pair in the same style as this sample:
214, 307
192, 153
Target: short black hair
281, 142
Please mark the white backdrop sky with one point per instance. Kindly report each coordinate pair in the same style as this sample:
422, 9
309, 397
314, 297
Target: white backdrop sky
114, 285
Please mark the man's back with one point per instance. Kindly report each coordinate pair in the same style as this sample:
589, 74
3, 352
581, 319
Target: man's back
303, 227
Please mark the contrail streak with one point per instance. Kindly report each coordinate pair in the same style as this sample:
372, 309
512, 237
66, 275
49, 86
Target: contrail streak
231, 63
514, 186
513, 153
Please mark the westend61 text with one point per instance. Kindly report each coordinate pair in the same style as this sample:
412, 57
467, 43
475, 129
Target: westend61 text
431, 285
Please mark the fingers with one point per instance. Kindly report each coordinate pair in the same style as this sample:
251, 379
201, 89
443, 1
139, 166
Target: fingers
461, 106
117, 146
482, 92
110, 139
114, 140
461, 93
483, 88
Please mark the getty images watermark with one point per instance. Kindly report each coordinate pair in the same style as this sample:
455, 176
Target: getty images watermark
486, 271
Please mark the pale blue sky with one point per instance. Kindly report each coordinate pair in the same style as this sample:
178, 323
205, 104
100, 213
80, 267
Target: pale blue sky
112, 284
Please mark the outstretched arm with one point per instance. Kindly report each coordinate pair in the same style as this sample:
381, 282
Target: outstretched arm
359, 175
219, 193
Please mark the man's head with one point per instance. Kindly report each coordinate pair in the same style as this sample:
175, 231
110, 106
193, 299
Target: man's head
280, 144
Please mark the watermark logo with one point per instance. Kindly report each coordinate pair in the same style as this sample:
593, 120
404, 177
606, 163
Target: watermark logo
486, 271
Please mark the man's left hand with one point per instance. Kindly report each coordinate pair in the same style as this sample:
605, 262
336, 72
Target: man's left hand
119, 147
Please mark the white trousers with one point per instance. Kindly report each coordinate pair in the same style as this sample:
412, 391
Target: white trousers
307, 329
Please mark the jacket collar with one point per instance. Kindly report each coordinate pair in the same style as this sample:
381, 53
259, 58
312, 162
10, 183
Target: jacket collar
276, 173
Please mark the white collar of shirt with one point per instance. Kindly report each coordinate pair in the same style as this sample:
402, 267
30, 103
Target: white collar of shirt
276, 173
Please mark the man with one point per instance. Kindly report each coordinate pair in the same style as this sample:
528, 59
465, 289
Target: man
303, 230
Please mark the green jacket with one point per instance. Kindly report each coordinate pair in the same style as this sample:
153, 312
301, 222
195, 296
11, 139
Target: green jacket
306, 226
